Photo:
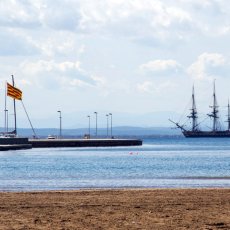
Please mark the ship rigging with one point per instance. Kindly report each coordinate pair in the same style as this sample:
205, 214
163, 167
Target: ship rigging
195, 131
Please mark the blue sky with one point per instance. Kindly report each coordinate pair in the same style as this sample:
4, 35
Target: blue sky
137, 59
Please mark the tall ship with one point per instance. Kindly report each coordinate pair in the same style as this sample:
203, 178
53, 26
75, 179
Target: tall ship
215, 131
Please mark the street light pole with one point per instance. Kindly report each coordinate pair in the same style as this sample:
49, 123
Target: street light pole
111, 124
107, 116
89, 125
60, 131
96, 122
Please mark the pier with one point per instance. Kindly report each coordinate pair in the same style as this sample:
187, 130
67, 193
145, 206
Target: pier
15, 143
51, 143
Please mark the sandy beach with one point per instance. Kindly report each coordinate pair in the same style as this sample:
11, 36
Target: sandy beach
117, 209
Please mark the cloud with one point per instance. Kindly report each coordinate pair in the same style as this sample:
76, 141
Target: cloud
161, 66
132, 19
127, 18
145, 87
206, 65
54, 75
20, 14
149, 22
63, 15
153, 87
13, 44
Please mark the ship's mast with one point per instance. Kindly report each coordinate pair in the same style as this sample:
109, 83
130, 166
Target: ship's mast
193, 113
228, 120
15, 118
214, 113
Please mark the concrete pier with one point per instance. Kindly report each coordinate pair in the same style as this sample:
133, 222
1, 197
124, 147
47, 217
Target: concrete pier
51, 143
14, 143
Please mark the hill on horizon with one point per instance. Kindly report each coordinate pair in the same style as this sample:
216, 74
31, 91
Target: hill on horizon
116, 131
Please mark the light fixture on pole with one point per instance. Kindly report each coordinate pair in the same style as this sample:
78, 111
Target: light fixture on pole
96, 123
111, 124
89, 125
60, 128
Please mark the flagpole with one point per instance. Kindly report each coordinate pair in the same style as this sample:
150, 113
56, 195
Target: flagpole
15, 120
5, 109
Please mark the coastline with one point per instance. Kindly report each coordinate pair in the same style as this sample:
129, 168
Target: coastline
196, 208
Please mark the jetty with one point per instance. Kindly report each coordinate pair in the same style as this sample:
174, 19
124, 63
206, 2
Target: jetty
18, 143
52, 143
10, 140
15, 143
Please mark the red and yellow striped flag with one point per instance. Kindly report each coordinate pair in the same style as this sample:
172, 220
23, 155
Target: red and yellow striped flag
14, 92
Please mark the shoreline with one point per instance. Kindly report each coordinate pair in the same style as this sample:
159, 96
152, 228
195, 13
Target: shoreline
126, 208
134, 188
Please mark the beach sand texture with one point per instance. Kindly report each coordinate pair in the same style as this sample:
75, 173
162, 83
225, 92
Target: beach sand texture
117, 209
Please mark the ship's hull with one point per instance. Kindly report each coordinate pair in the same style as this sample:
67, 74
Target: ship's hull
206, 133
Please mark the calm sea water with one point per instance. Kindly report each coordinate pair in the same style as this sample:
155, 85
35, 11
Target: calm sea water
162, 162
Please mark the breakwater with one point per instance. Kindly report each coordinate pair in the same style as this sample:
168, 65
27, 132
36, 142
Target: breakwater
51, 143
15, 143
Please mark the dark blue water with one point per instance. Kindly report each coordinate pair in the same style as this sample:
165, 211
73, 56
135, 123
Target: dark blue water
165, 162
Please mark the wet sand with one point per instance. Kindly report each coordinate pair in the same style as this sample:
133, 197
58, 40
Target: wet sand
117, 209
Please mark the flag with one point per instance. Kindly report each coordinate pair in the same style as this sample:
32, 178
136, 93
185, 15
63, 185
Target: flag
14, 92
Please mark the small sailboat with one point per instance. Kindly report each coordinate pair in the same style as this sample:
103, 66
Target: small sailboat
9, 139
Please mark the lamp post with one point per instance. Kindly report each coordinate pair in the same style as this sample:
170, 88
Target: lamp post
96, 122
89, 125
111, 124
107, 117
60, 134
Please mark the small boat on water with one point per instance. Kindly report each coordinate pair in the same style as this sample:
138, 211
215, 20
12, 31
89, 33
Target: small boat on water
9, 140
195, 130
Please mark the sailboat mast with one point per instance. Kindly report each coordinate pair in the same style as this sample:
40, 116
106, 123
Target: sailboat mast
15, 120
215, 111
228, 116
193, 113
5, 110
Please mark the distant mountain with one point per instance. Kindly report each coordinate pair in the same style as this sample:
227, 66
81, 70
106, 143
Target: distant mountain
80, 120
117, 131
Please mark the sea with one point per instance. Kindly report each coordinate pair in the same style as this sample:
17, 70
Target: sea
161, 162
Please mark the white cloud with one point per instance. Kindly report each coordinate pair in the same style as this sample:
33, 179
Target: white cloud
22, 14
60, 74
145, 87
133, 19
160, 66
158, 22
15, 44
201, 68
154, 87
48, 66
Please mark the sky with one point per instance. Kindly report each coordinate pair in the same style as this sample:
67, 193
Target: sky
136, 59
